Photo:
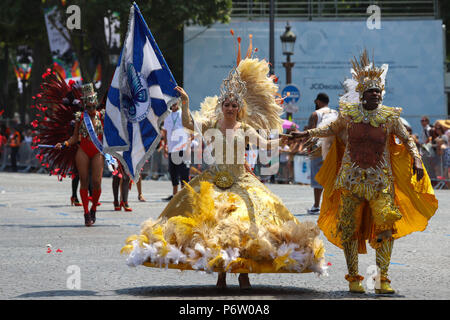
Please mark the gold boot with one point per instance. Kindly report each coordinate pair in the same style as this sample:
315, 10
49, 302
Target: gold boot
355, 284
385, 287
351, 257
383, 259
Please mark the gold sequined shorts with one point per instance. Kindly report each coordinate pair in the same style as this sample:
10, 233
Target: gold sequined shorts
383, 210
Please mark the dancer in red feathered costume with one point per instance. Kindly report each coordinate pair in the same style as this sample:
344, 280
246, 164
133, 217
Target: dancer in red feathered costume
88, 155
65, 107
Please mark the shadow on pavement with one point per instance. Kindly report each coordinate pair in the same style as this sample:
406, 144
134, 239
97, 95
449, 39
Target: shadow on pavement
269, 292
58, 293
34, 226
232, 292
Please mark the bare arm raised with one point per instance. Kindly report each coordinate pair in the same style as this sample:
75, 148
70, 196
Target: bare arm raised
185, 113
186, 118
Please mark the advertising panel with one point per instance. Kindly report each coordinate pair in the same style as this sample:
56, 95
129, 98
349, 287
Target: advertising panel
412, 48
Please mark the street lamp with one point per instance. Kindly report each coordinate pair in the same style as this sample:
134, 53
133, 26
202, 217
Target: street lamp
288, 41
24, 63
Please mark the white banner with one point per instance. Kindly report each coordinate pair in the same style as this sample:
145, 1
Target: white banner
58, 43
64, 59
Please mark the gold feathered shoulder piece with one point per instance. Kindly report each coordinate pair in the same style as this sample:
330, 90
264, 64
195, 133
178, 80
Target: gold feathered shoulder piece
263, 111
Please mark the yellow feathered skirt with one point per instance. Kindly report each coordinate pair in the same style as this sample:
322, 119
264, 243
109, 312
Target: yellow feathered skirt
242, 229
415, 200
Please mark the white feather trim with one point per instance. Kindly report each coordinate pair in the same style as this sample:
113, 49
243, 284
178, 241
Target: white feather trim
175, 255
350, 96
202, 262
200, 256
229, 255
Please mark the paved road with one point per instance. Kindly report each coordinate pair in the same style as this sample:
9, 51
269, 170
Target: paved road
35, 211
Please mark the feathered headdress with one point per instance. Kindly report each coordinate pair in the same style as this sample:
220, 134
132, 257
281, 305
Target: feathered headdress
365, 76
251, 86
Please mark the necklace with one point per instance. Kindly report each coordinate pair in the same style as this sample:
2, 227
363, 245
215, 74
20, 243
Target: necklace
368, 115
375, 117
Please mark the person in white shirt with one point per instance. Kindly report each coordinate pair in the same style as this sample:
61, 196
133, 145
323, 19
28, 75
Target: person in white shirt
176, 144
322, 113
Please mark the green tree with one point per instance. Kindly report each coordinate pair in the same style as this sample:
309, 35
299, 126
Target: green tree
22, 22
165, 18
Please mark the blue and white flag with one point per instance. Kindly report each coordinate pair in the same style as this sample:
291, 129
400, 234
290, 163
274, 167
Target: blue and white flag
141, 92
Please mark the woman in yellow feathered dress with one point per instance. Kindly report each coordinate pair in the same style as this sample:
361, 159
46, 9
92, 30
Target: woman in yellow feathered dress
225, 219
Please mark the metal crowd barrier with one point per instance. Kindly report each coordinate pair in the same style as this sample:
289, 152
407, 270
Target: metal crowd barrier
156, 168
438, 172
26, 158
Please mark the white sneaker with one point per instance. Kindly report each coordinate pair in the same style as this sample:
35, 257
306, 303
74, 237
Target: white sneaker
313, 210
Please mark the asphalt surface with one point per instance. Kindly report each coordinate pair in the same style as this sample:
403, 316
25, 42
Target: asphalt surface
46, 252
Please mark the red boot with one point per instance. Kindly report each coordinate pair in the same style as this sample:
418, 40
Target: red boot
95, 196
85, 200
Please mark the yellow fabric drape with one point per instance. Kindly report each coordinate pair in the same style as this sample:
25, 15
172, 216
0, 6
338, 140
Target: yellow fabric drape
415, 200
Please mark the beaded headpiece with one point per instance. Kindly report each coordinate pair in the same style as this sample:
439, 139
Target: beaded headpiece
233, 88
251, 86
367, 74
88, 93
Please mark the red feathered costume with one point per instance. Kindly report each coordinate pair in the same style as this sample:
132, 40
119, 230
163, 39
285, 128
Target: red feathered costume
56, 106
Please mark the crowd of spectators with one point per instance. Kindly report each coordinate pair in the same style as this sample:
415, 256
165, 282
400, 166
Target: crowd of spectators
432, 143
18, 154
16, 148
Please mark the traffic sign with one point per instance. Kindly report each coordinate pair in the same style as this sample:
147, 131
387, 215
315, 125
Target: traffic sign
291, 93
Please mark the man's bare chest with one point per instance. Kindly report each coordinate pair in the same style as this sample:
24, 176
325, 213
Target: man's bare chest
366, 143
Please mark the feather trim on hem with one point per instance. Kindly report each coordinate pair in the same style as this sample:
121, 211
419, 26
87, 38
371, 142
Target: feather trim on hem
213, 239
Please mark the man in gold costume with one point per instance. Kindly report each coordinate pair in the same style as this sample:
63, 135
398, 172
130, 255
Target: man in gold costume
370, 191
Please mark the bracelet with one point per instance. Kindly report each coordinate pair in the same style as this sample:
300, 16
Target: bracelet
354, 278
66, 143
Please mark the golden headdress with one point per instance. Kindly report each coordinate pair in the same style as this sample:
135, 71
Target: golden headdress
233, 88
367, 74
250, 85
